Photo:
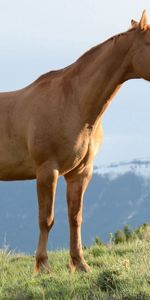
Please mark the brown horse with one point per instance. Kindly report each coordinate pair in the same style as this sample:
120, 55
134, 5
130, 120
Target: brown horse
52, 127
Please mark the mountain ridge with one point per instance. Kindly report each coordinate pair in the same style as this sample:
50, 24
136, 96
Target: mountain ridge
118, 193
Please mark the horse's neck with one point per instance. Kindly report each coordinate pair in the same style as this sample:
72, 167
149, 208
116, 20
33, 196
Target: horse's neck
102, 71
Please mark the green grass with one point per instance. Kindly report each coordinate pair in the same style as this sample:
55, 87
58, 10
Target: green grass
118, 272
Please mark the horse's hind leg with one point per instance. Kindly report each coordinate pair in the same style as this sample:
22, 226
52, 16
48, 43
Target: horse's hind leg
46, 187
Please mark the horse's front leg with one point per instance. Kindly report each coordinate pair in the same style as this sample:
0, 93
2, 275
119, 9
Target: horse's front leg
46, 187
76, 186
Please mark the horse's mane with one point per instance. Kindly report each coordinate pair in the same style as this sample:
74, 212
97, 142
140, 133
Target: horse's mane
52, 74
97, 47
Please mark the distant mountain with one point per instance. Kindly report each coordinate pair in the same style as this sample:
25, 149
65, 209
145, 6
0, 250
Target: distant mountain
117, 194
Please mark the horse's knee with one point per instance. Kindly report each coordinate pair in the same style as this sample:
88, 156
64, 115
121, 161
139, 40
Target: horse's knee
50, 224
75, 220
46, 224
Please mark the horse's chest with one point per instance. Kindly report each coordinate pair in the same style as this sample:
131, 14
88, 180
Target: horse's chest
83, 150
74, 154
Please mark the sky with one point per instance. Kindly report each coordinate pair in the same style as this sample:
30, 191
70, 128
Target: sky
38, 36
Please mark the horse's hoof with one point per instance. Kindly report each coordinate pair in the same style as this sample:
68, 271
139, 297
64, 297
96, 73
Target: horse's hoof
42, 266
80, 266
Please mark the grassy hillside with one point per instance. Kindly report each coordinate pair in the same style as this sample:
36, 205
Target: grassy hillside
119, 271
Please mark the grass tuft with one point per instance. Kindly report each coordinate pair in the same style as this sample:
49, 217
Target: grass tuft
119, 271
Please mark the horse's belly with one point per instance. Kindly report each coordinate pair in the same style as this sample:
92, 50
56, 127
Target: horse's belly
16, 165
